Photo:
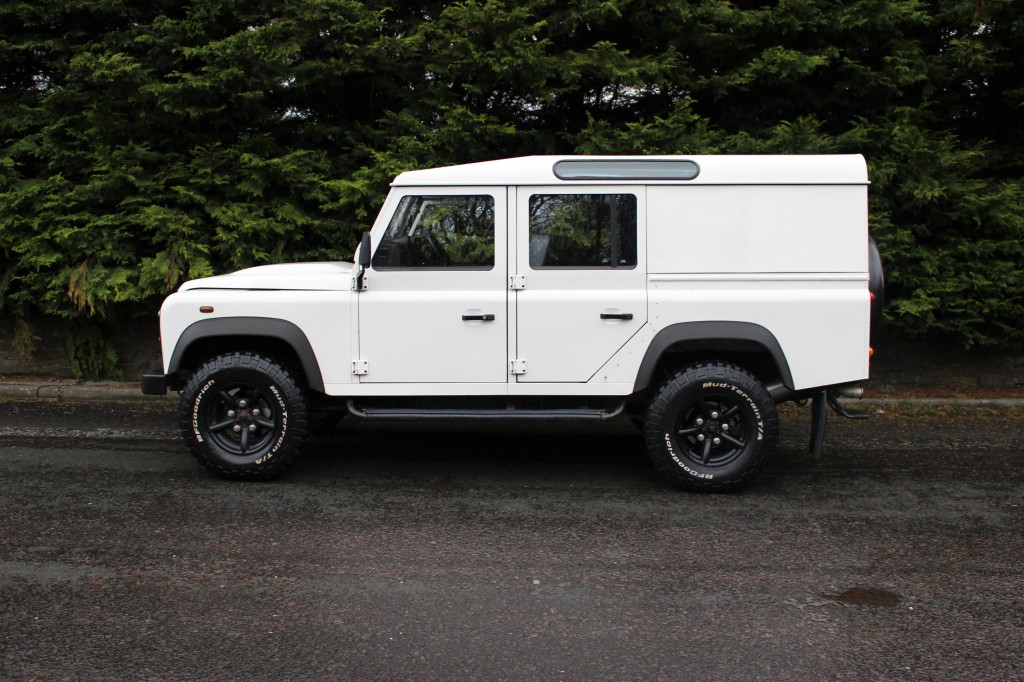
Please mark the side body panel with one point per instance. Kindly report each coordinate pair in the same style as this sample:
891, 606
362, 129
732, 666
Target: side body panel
323, 317
792, 259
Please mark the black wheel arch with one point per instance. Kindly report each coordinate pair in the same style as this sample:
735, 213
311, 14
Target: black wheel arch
747, 344
279, 338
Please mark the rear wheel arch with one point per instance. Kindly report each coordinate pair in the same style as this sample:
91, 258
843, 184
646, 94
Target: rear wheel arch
745, 344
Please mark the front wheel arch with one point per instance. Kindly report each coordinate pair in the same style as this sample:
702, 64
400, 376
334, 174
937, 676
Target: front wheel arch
281, 339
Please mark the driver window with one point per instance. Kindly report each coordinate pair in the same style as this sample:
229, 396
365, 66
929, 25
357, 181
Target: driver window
454, 232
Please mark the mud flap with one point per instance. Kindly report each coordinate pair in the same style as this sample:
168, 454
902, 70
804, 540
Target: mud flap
821, 402
819, 419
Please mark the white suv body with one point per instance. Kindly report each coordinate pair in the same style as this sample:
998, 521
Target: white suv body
570, 278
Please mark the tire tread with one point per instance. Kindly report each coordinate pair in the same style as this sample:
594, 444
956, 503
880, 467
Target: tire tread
290, 388
661, 403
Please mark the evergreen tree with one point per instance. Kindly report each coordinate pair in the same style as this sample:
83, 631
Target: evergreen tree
145, 143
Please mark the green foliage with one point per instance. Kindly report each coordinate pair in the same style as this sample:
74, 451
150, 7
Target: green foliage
91, 354
145, 143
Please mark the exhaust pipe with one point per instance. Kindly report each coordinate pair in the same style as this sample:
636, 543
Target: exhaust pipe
781, 393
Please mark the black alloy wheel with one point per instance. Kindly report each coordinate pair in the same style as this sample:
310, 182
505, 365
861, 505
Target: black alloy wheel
240, 419
714, 430
711, 426
244, 416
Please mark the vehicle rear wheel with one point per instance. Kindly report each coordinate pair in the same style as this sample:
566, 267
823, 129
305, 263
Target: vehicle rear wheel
244, 416
711, 426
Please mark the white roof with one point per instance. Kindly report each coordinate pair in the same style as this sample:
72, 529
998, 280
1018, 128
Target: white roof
839, 169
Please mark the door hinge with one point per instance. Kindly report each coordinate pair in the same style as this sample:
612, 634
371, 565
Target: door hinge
517, 282
360, 367
518, 367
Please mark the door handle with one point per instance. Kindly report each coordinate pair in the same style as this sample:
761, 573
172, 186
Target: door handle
478, 318
616, 316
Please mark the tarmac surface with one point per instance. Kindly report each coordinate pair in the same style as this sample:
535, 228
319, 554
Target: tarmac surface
540, 552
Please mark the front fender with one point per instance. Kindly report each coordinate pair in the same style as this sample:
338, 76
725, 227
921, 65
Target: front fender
264, 327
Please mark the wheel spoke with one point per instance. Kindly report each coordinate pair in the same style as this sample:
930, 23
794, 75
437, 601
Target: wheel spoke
220, 426
228, 398
244, 444
729, 439
705, 456
730, 412
265, 423
688, 430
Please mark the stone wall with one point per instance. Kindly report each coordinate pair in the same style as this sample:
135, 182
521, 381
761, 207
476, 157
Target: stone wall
905, 363
136, 342
896, 362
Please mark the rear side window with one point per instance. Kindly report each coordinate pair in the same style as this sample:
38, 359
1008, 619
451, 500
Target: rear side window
583, 231
439, 232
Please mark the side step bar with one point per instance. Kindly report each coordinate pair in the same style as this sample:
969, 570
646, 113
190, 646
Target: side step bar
511, 414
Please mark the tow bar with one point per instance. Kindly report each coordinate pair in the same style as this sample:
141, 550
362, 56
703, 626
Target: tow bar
823, 399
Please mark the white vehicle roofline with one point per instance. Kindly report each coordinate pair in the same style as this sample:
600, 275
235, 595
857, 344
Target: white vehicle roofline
827, 169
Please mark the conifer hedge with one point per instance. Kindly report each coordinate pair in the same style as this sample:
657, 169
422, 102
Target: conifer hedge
144, 143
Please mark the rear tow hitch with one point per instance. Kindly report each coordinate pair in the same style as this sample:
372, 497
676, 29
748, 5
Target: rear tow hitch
823, 399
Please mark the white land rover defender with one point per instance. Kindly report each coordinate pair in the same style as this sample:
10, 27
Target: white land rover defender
689, 293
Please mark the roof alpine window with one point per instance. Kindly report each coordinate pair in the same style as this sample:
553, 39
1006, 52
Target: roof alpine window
626, 169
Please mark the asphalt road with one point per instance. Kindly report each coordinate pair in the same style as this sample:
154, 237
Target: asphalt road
509, 553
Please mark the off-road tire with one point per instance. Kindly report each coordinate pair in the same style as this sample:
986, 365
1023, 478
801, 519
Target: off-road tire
700, 405
260, 397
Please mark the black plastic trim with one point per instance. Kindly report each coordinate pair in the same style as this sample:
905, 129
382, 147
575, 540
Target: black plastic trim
154, 383
710, 331
252, 326
414, 414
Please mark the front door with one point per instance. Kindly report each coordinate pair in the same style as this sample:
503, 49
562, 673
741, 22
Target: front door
435, 305
580, 258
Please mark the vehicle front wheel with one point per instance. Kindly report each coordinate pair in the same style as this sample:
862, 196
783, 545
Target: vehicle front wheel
711, 427
243, 415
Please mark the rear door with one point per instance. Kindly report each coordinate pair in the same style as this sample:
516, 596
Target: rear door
579, 284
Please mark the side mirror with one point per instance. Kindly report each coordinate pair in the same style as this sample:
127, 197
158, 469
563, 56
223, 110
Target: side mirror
364, 251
